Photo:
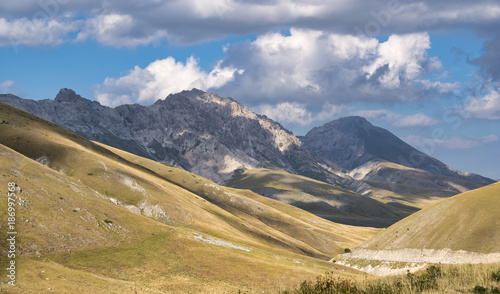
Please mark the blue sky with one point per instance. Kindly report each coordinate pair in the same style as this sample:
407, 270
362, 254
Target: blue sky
429, 71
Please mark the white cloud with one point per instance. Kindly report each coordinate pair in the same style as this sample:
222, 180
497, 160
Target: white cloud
159, 79
119, 30
35, 32
414, 120
311, 65
286, 76
451, 142
441, 87
132, 23
404, 56
399, 120
297, 113
487, 107
286, 112
6, 85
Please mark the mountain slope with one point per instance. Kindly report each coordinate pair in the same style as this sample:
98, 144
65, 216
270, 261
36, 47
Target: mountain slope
330, 202
200, 132
379, 158
460, 229
94, 220
468, 221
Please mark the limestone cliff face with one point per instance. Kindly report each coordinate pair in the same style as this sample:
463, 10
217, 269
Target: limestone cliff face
200, 132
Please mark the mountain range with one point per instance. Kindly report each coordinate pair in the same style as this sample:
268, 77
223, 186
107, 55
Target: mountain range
218, 138
200, 132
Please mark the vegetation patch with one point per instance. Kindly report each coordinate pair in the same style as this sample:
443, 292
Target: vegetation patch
434, 279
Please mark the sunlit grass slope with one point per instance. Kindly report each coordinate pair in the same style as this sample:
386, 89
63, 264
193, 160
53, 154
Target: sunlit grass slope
393, 183
93, 219
469, 221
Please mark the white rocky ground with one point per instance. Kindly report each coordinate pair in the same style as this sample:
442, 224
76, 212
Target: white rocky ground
218, 242
384, 269
398, 262
446, 256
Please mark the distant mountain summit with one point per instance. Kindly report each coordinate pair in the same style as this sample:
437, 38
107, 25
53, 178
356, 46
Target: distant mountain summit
351, 142
348, 142
376, 156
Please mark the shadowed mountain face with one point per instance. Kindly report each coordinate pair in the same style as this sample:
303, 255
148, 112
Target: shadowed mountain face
200, 132
351, 142
330, 202
373, 154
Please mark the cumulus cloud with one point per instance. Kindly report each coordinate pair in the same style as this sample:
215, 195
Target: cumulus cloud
451, 142
192, 21
404, 56
311, 65
35, 32
119, 30
399, 120
287, 76
297, 113
487, 107
159, 79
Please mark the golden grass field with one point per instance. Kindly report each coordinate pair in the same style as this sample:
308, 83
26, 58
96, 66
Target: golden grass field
93, 219
469, 221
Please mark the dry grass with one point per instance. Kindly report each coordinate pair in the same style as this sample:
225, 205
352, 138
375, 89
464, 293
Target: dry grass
468, 221
328, 201
464, 278
73, 239
346, 236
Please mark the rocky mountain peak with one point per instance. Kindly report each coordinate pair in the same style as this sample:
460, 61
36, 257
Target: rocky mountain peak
349, 124
352, 142
202, 132
352, 120
207, 102
67, 95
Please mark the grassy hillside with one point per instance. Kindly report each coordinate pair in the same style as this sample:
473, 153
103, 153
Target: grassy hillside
328, 201
393, 183
95, 219
468, 221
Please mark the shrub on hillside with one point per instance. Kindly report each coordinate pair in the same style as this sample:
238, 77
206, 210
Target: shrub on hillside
481, 289
496, 276
426, 281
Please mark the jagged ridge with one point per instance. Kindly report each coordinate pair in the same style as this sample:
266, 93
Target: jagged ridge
200, 132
